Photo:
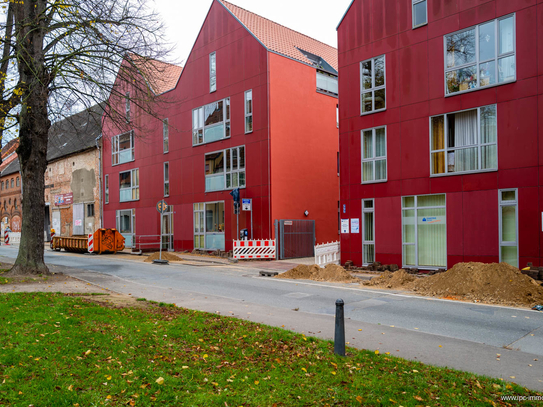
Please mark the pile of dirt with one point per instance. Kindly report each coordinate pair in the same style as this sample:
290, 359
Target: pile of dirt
331, 272
490, 283
165, 256
394, 280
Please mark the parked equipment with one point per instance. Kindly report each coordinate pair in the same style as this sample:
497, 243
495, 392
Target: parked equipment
103, 241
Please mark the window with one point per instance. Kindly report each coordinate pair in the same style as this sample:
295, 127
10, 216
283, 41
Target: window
327, 83
249, 111
212, 72
420, 13
368, 231
209, 225
225, 169
122, 148
17, 182
129, 185
464, 141
126, 225
424, 231
90, 210
166, 179
2, 185
106, 188
372, 76
11, 183
374, 155
127, 106
165, 135
211, 122
509, 226
15, 203
7, 184
480, 56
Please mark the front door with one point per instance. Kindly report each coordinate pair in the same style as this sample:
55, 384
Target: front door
126, 220
167, 230
79, 219
56, 222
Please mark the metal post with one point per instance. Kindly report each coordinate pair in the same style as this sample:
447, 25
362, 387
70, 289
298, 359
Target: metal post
237, 219
339, 337
251, 219
160, 240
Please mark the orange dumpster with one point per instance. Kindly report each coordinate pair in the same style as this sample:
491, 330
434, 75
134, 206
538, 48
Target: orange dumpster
108, 241
70, 244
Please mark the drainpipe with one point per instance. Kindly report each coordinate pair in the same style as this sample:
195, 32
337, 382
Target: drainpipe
100, 181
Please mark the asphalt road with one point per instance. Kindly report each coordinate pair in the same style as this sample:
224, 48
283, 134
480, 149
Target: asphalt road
460, 335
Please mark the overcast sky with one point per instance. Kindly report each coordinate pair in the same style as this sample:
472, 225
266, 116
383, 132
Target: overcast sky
315, 18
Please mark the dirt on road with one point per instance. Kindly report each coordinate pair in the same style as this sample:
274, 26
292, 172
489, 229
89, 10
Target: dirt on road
331, 273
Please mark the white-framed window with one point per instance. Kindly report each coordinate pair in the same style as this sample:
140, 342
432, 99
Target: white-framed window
166, 179
424, 231
106, 188
480, 56
127, 106
249, 111
465, 141
374, 155
225, 169
126, 225
368, 231
372, 85
122, 148
209, 222
211, 122
508, 200
129, 185
420, 13
165, 135
327, 83
212, 72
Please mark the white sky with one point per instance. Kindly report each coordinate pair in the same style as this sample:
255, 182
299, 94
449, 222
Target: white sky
315, 18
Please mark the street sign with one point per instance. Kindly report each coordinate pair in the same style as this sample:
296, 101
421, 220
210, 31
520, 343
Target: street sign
162, 206
246, 204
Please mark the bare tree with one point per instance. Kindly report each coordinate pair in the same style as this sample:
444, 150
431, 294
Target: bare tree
68, 54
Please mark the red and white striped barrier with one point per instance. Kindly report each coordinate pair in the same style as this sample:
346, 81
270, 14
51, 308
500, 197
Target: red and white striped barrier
90, 245
254, 249
6, 237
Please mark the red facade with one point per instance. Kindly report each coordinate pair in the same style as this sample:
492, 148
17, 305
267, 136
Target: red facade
279, 175
416, 62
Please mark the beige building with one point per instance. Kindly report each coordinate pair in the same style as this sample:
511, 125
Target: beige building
72, 178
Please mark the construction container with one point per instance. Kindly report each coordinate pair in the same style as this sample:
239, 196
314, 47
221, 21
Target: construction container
103, 241
70, 244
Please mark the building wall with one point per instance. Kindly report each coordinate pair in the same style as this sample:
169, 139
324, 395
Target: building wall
415, 91
78, 174
304, 147
10, 202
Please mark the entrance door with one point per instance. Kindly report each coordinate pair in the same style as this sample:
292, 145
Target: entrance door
79, 219
126, 221
296, 238
214, 219
56, 222
167, 230
47, 225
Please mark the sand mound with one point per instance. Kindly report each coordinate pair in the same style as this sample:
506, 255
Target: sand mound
165, 256
492, 283
394, 280
331, 272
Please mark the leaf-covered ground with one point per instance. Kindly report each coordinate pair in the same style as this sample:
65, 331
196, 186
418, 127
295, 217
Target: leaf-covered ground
59, 350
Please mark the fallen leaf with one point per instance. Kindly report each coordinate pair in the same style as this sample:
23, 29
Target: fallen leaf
419, 398
160, 380
256, 382
376, 352
88, 352
108, 397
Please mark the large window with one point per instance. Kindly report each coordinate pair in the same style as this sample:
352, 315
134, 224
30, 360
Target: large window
106, 189
166, 179
480, 56
372, 85
212, 72
420, 13
225, 169
249, 111
122, 148
211, 122
129, 185
368, 231
327, 82
424, 231
464, 141
165, 135
126, 225
374, 155
509, 226
209, 226
127, 106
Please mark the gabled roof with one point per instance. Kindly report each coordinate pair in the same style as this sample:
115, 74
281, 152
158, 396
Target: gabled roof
8, 153
345, 14
160, 76
11, 168
75, 133
282, 40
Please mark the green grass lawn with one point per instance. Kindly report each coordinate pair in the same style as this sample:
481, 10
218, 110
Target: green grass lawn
58, 351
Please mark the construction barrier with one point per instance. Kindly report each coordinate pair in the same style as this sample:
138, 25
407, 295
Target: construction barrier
90, 243
327, 253
103, 241
254, 249
6, 237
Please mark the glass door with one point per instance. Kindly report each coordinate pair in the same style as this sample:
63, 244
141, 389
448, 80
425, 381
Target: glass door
167, 230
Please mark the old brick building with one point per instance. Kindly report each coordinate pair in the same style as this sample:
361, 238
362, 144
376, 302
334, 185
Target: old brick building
10, 196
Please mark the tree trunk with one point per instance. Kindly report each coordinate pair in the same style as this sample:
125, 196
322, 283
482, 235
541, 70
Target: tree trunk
33, 135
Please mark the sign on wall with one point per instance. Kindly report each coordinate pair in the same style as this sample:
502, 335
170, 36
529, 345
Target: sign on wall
64, 199
355, 225
246, 204
344, 225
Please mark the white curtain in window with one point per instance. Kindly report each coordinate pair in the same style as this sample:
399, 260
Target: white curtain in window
432, 237
465, 134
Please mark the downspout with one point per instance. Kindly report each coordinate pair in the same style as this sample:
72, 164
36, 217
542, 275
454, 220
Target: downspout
100, 181
269, 145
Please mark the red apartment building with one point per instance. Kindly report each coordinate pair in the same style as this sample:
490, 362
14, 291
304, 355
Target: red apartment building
253, 108
441, 131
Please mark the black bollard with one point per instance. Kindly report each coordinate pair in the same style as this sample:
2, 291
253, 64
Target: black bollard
339, 337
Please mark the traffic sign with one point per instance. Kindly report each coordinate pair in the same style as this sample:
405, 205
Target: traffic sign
162, 206
246, 204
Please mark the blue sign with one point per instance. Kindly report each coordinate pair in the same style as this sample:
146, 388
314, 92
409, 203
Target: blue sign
344, 208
